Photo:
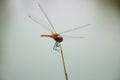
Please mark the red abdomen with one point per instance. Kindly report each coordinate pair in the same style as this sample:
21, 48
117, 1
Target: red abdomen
46, 35
56, 37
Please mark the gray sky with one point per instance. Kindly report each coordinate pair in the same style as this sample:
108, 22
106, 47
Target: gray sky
27, 56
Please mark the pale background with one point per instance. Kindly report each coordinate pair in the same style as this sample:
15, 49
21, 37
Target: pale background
24, 55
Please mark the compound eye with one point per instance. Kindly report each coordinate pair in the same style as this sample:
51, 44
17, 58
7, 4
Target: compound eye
60, 39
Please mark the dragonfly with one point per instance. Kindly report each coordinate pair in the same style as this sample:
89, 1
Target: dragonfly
54, 35
58, 37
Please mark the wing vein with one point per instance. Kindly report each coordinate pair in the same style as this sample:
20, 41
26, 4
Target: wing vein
46, 17
75, 29
40, 24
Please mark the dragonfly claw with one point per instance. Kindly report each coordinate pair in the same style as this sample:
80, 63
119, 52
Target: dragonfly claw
56, 46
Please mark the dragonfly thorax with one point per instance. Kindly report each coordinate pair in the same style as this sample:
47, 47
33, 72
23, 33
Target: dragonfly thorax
58, 38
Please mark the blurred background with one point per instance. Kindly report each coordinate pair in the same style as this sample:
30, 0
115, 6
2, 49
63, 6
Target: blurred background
24, 55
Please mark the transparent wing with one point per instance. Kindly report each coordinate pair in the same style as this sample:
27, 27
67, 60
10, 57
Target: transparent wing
74, 29
47, 17
74, 37
47, 28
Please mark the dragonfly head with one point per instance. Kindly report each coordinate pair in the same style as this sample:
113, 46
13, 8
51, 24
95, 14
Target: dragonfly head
58, 38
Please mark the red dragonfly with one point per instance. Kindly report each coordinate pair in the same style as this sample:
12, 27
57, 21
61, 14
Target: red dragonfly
54, 35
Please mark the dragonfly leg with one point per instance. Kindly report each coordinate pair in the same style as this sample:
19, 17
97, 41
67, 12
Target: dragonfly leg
56, 46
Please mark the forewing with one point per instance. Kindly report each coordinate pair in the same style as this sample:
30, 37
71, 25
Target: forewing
83, 26
40, 23
72, 37
46, 16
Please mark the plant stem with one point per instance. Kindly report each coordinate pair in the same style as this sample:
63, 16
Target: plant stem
65, 72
